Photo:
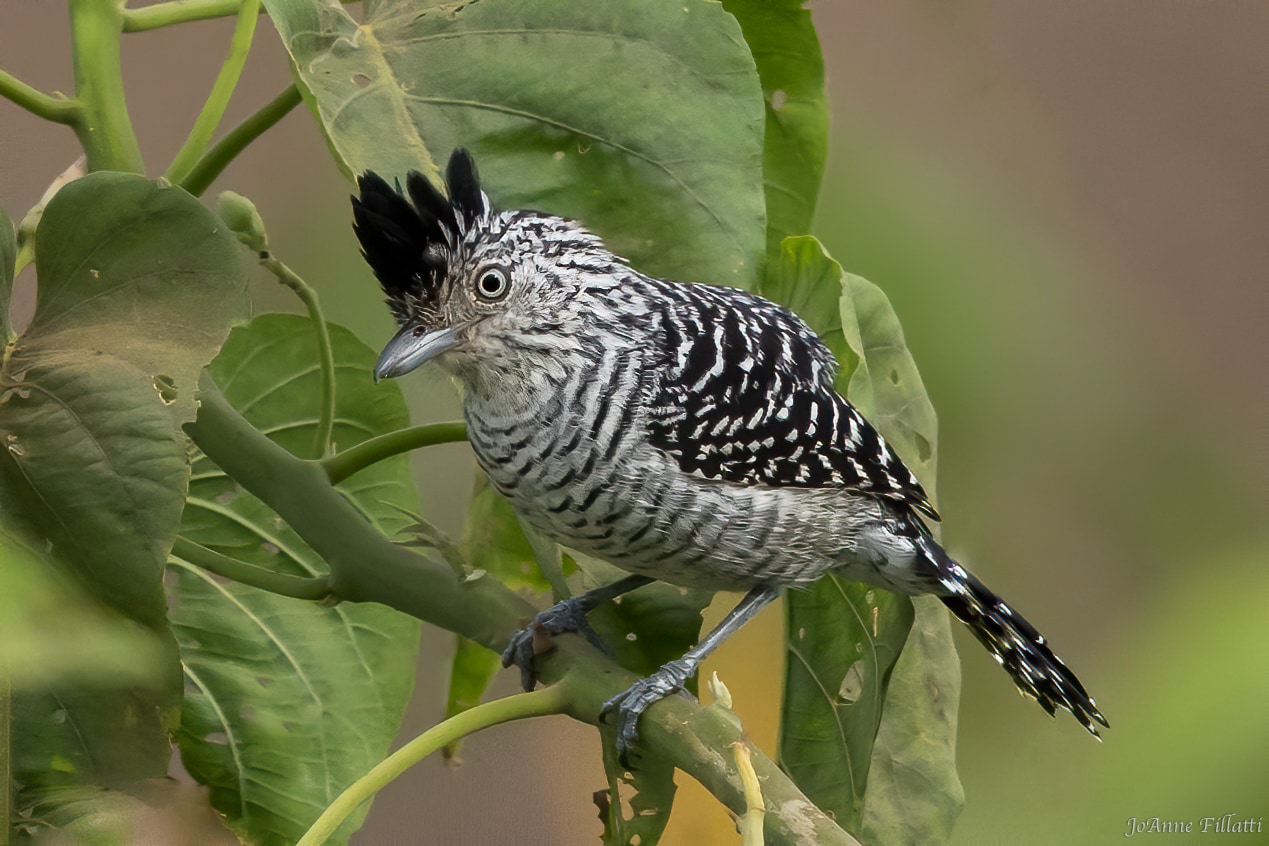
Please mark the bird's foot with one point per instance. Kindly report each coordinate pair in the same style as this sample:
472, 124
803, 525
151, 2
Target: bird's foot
568, 615
626, 707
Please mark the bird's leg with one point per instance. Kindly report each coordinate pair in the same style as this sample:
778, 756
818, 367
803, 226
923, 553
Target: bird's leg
568, 615
632, 702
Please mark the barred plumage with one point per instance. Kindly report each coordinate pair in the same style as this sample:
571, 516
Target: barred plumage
683, 432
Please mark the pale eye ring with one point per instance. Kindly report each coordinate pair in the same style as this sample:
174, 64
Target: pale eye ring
493, 284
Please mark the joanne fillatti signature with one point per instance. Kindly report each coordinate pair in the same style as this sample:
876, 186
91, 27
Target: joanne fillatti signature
1228, 824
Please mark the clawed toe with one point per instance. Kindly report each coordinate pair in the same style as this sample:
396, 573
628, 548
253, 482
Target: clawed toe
624, 710
563, 617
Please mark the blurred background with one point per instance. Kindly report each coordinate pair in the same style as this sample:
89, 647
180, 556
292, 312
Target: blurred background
1068, 206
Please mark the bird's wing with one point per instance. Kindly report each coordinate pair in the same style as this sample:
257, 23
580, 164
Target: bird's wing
745, 396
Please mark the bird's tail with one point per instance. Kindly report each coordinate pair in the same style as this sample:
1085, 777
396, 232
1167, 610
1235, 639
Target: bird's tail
1012, 641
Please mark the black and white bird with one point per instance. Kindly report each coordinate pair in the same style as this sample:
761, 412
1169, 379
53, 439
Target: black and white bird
683, 432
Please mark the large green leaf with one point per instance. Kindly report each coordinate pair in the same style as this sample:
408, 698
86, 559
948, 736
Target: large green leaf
87, 683
287, 702
138, 285
786, 49
853, 702
914, 793
51, 633
644, 119
839, 663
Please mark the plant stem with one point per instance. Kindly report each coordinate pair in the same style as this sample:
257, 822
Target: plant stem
236, 140
364, 565
541, 702
298, 587
178, 11
343, 464
326, 357
104, 129
48, 106
226, 81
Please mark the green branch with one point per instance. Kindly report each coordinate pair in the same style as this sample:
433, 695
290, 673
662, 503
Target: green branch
298, 587
226, 81
224, 151
325, 356
539, 703
366, 567
104, 128
342, 465
176, 12
48, 106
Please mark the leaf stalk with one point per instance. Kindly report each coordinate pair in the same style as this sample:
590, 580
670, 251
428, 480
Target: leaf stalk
222, 90
344, 464
313, 588
539, 703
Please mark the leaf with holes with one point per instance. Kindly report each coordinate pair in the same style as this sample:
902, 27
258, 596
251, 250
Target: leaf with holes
287, 702
845, 718
786, 49
138, 286
664, 158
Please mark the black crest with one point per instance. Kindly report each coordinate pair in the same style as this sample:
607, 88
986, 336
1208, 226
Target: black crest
407, 237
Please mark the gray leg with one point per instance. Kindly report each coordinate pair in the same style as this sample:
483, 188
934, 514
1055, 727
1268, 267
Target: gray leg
632, 702
568, 615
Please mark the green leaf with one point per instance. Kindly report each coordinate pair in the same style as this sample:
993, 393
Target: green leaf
8, 260
138, 284
643, 119
51, 633
287, 701
636, 807
786, 49
89, 686
834, 747
914, 793
843, 640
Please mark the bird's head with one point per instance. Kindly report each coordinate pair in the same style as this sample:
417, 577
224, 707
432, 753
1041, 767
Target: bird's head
471, 287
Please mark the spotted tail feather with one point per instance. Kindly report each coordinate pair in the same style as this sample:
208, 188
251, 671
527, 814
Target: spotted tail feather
1013, 642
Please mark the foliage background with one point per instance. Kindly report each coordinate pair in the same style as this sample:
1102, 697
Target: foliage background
1066, 205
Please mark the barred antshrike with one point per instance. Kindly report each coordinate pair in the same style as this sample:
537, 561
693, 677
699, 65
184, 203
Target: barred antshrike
683, 432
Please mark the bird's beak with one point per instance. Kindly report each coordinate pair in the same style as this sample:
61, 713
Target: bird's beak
411, 347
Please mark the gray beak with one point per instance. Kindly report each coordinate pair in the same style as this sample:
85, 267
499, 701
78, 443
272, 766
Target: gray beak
410, 348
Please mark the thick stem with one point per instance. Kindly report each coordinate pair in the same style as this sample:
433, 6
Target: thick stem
364, 565
48, 106
342, 465
226, 81
104, 130
539, 703
298, 587
224, 151
325, 355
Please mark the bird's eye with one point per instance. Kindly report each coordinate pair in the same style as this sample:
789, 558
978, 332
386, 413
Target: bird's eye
493, 284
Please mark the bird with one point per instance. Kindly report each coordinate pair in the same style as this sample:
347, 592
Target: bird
684, 432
